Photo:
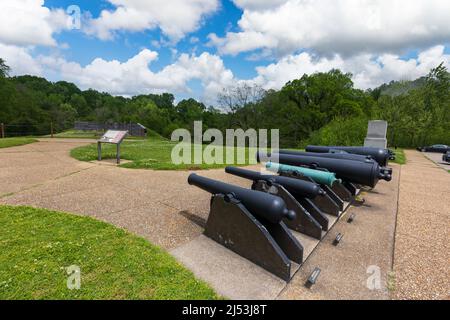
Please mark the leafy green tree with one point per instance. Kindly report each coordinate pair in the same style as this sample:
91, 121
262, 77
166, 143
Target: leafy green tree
438, 83
323, 96
4, 69
190, 110
340, 131
65, 89
80, 105
6, 93
63, 117
104, 115
241, 101
163, 101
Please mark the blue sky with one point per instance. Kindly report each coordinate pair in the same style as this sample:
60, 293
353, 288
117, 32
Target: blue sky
85, 48
198, 47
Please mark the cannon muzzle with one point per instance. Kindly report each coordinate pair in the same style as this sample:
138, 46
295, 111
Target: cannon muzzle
385, 176
298, 187
260, 204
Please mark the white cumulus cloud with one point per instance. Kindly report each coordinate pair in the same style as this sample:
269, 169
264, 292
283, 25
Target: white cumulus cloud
20, 60
347, 27
175, 18
29, 22
134, 76
258, 4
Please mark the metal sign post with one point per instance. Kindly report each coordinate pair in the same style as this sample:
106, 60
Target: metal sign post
99, 151
113, 137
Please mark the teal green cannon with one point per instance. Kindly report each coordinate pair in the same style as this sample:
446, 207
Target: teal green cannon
321, 177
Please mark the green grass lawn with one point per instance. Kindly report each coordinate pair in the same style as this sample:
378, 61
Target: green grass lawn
152, 153
400, 157
37, 245
12, 142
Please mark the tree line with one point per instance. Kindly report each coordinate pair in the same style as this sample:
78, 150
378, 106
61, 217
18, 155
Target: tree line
322, 108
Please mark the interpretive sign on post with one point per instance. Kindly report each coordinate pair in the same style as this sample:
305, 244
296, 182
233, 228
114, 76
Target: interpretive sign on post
114, 137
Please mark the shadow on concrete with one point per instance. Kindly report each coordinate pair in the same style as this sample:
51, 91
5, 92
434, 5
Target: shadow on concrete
201, 222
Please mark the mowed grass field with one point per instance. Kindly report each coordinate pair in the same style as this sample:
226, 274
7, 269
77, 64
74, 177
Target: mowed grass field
13, 142
37, 246
155, 153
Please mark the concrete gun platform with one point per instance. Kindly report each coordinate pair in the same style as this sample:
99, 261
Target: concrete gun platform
367, 241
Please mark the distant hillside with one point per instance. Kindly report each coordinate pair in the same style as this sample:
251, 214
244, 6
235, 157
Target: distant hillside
397, 88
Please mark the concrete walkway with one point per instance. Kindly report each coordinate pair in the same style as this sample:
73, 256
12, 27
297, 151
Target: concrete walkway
422, 242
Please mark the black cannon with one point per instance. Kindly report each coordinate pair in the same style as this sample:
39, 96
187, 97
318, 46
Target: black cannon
248, 222
381, 156
298, 187
262, 205
336, 154
305, 197
364, 173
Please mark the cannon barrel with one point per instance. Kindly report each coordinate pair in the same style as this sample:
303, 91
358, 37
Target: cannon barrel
333, 155
297, 187
322, 177
336, 154
379, 155
365, 173
260, 204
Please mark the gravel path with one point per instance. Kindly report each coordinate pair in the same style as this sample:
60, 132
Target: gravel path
422, 255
